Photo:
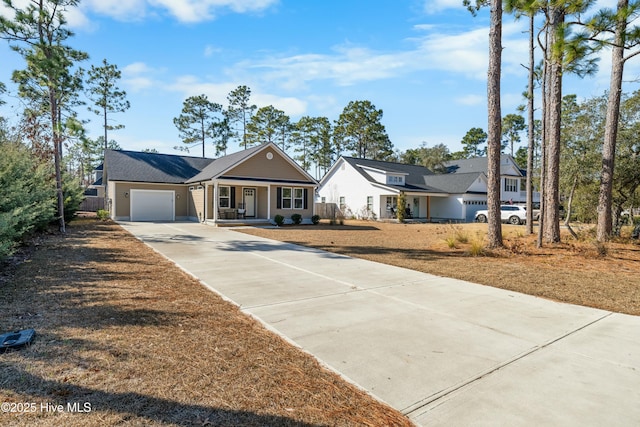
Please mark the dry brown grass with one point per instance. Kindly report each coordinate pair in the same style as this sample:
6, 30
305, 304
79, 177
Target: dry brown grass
574, 271
145, 344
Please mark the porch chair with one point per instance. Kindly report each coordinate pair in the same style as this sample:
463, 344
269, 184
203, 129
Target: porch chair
241, 210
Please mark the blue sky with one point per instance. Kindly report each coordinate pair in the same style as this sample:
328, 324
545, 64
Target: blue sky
423, 62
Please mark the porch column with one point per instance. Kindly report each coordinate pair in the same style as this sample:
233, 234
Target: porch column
206, 207
213, 202
268, 202
429, 208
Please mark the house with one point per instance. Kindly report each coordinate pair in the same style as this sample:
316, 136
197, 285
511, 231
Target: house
370, 189
512, 179
253, 185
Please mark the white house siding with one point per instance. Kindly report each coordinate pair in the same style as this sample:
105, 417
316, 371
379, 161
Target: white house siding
447, 208
348, 183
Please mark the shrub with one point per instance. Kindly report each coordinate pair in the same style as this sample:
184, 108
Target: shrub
400, 212
477, 248
315, 219
103, 214
461, 236
73, 194
296, 218
279, 220
28, 195
451, 242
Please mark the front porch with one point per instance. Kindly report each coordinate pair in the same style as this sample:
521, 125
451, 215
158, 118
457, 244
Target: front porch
234, 202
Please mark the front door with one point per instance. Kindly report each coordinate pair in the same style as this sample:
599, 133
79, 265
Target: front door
249, 200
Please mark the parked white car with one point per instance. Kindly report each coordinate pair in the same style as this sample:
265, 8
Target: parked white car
513, 214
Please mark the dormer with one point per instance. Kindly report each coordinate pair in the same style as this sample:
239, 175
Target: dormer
387, 177
395, 179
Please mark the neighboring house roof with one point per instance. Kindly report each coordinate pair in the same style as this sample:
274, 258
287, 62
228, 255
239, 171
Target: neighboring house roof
480, 164
457, 183
414, 175
152, 167
98, 182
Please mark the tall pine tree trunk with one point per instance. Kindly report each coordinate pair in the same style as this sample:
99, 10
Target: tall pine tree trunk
551, 231
494, 132
530, 119
57, 153
543, 142
604, 227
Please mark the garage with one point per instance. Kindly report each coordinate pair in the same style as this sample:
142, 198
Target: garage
152, 205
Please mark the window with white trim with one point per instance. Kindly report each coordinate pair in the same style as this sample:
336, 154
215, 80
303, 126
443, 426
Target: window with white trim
286, 197
298, 198
292, 198
510, 185
224, 196
369, 203
343, 204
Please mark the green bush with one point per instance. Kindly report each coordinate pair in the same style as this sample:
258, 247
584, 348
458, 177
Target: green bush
400, 212
279, 220
73, 193
103, 214
28, 196
296, 218
315, 219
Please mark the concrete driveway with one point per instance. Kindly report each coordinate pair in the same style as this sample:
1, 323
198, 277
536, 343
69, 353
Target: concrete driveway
443, 351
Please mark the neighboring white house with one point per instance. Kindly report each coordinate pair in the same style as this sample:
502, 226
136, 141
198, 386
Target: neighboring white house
369, 189
512, 179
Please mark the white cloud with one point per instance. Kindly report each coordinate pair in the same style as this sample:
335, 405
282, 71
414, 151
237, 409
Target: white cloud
130, 10
203, 10
136, 68
139, 76
471, 100
290, 105
217, 92
435, 6
464, 54
209, 50
188, 11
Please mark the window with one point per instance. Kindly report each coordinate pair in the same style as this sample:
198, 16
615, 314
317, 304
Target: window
343, 205
510, 185
292, 198
224, 197
369, 203
391, 202
298, 198
323, 200
286, 198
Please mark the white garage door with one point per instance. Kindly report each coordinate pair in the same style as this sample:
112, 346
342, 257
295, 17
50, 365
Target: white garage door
152, 205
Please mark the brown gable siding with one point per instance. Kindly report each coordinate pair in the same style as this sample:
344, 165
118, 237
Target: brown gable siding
196, 205
259, 166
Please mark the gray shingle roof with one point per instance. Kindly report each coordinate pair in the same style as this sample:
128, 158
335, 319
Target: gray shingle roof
457, 183
152, 167
477, 164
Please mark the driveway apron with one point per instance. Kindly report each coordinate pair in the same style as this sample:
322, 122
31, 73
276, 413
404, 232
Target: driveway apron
442, 351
